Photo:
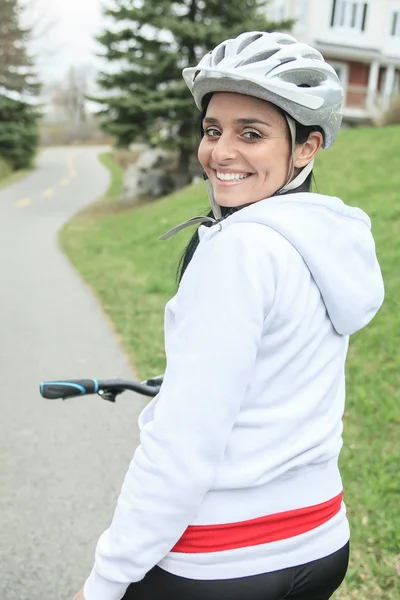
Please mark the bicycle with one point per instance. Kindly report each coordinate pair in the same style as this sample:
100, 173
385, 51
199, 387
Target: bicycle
107, 389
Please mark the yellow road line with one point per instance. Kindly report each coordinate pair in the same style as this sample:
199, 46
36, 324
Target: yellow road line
47, 193
23, 202
66, 181
71, 165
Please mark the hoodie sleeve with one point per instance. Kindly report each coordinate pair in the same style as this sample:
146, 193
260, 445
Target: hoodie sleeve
221, 304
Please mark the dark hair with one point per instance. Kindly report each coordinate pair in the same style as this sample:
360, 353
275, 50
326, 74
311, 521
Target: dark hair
302, 134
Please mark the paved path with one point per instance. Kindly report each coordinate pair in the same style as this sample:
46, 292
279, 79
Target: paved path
61, 463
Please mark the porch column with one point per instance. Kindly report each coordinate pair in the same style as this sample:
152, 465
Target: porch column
389, 84
373, 84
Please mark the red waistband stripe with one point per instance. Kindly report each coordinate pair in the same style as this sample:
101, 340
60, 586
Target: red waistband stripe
263, 530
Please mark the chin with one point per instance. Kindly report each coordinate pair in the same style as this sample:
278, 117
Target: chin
233, 202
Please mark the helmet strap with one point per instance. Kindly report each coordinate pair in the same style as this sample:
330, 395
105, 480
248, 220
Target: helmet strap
293, 183
216, 209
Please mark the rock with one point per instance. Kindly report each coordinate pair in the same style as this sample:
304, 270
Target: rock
131, 184
143, 182
154, 182
152, 158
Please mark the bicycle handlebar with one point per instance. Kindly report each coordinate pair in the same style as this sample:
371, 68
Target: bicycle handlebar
68, 389
107, 389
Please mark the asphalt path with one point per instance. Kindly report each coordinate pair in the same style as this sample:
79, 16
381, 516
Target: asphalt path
62, 463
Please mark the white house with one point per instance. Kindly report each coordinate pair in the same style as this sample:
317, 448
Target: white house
361, 40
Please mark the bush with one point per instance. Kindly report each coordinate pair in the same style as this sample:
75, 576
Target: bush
18, 132
125, 158
392, 114
64, 134
5, 169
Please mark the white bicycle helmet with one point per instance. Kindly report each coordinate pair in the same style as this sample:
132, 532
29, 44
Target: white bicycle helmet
277, 68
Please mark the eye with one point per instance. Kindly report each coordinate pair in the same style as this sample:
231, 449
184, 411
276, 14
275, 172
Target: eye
252, 135
211, 132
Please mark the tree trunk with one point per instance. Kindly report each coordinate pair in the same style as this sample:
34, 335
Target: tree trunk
185, 150
183, 166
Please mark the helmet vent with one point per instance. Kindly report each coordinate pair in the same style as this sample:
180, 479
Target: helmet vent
286, 42
219, 55
312, 56
303, 77
247, 41
284, 61
261, 56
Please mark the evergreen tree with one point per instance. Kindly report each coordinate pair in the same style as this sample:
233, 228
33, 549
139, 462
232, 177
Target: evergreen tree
18, 118
19, 135
16, 67
152, 42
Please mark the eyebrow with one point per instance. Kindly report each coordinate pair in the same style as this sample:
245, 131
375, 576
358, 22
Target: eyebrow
212, 121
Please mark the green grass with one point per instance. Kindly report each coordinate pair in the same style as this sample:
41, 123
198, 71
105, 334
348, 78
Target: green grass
133, 274
13, 177
117, 175
5, 170
8, 176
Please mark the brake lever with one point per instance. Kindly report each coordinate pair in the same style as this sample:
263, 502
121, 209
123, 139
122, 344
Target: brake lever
109, 395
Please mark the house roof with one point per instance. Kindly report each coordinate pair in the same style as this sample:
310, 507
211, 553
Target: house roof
355, 52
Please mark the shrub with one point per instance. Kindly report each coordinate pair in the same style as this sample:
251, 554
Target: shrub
18, 132
5, 169
392, 115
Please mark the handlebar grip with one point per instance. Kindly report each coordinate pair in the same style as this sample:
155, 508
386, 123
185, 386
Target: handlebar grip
53, 390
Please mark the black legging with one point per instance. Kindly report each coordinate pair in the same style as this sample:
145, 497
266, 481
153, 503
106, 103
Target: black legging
316, 580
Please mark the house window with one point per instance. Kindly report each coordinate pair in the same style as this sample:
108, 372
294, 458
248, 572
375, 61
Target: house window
395, 26
349, 15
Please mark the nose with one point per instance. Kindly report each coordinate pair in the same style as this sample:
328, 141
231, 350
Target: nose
224, 149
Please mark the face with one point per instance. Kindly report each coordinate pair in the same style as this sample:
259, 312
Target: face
245, 150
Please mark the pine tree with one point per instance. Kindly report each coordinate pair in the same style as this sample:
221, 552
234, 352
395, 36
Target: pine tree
16, 67
19, 135
18, 118
153, 42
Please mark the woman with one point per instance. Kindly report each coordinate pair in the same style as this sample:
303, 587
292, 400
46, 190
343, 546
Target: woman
234, 492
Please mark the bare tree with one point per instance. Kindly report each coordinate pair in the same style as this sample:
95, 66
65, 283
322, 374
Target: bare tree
69, 96
41, 23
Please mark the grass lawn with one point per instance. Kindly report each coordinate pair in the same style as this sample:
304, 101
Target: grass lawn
117, 175
8, 176
117, 252
13, 177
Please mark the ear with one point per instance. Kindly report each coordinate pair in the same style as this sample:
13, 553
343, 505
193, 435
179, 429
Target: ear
304, 153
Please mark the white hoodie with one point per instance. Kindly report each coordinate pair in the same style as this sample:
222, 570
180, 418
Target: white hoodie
248, 422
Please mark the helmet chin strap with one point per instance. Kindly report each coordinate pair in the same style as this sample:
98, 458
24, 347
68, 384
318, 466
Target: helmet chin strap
293, 183
216, 209
217, 212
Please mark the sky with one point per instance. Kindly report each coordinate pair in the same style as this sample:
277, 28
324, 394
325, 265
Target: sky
65, 34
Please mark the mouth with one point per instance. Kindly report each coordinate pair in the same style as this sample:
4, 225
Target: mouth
231, 178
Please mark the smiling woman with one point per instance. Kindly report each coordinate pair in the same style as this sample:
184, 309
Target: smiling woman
235, 491
249, 159
242, 156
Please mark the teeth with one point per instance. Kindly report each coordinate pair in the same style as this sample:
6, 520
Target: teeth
231, 176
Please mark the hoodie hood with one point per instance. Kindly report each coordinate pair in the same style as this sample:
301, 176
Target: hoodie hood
336, 243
